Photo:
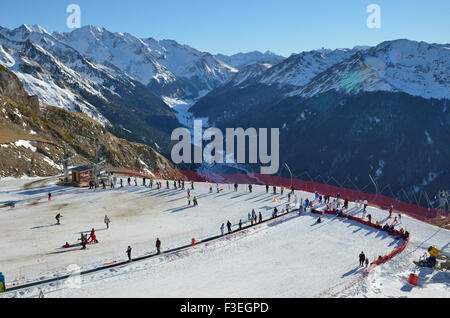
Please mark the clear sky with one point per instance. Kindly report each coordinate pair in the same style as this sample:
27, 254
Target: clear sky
232, 26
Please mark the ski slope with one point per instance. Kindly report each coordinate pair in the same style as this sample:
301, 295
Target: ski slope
291, 256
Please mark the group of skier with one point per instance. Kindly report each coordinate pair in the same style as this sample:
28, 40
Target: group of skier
84, 239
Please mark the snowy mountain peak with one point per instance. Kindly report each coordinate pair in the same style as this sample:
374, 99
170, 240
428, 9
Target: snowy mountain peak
241, 60
416, 68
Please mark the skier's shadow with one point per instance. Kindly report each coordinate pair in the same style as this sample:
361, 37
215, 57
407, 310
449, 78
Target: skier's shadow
352, 272
175, 210
66, 250
42, 226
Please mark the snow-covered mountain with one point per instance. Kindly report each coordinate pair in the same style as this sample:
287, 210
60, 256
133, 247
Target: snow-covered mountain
241, 60
346, 112
61, 76
175, 70
249, 73
168, 68
415, 68
48, 69
300, 68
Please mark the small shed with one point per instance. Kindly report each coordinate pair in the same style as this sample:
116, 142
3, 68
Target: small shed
82, 175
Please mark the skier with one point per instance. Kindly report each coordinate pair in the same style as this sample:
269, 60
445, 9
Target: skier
49, 196
135, 181
319, 220
192, 185
210, 189
250, 188
367, 262
267, 188
229, 226
274, 190
195, 201
282, 190
390, 210
121, 183
274, 213
235, 187
167, 185
83, 240
289, 197
58, 217
249, 218
362, 258
107, 221
129, 253
174, 184
222, 228
92, 237
370, 218
158, 246
129, 181
260, 217
143, 181
2, 283
41, 293
365, 205
240, 225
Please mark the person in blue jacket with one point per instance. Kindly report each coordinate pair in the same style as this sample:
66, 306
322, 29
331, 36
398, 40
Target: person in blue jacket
2, 283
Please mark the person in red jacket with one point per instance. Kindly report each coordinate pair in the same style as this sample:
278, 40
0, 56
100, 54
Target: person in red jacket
158, 246
92, 237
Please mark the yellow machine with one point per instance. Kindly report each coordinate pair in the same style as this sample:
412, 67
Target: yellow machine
433, 251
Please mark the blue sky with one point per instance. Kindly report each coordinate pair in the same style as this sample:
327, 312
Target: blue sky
231, 26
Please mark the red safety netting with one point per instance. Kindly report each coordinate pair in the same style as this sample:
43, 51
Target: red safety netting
379, 200
382, 201
382, 259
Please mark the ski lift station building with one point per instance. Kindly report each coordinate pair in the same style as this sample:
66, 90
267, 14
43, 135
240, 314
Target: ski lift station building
82, 175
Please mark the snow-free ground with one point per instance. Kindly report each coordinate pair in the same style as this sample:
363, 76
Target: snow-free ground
291, 256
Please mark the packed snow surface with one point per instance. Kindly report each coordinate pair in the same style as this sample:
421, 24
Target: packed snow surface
291, 256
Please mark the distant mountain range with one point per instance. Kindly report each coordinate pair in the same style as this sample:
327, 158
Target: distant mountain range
117, 79
141, 89
380, 111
